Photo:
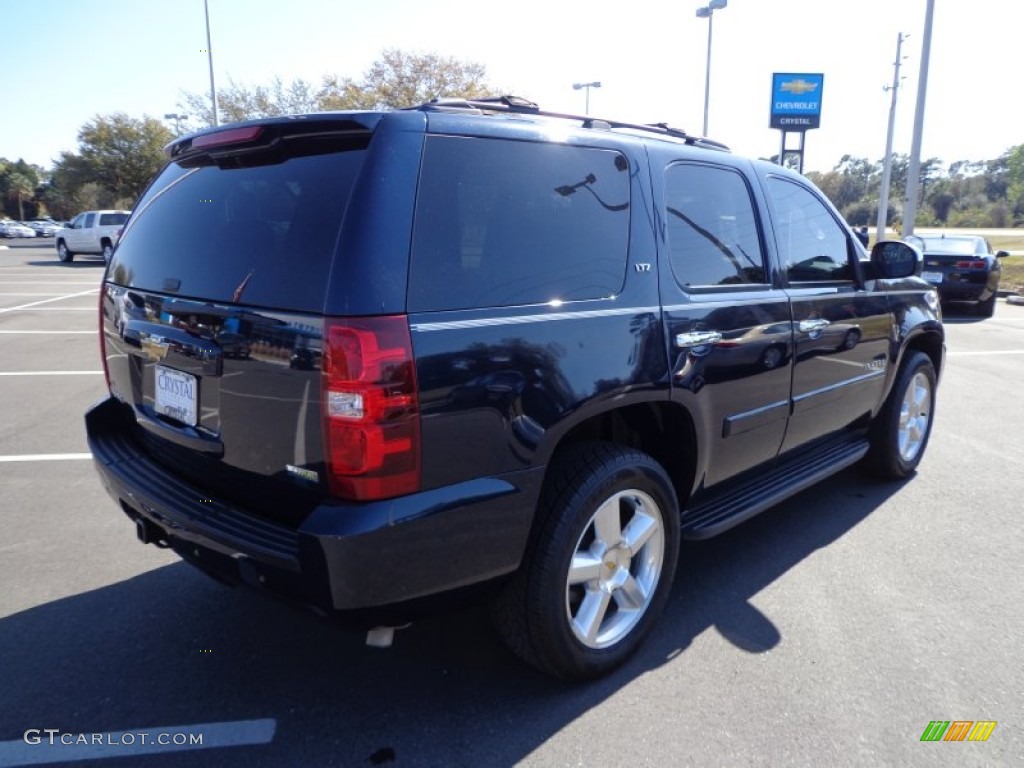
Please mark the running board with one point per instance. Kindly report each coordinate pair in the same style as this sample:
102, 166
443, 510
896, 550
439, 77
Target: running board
731, 507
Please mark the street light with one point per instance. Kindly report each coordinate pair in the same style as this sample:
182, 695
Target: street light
209, 56
707, 12
588, 86
177, 121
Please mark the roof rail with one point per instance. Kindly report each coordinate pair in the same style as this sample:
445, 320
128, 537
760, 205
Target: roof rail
519, 105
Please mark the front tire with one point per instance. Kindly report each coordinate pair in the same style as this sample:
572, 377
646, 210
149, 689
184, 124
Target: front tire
900, 432
599, 566
63, 253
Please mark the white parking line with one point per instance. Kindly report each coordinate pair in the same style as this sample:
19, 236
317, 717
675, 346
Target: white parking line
51, 309
980, 354
48, 301
40, 744
50, 373
46, 457
55, 333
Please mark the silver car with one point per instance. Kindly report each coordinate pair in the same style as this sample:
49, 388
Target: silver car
43, 227
15, 229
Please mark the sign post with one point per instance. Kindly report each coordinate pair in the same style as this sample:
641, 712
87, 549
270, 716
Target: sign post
796, 108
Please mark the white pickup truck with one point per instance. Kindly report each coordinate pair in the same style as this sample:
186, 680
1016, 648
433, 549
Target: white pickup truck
90, 232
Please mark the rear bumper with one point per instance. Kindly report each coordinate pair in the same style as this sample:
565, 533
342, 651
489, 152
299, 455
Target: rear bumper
964, 291
343, 556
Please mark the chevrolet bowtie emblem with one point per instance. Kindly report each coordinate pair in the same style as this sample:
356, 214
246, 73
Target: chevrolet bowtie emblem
154, 348
798, 87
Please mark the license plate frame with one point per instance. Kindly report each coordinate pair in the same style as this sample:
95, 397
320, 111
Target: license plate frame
932, 277
176, 394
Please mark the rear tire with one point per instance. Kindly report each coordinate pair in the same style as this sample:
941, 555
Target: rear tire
108, 251
986, 308
900, 432
63, 253
599, 565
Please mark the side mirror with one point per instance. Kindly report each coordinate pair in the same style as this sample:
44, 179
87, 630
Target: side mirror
892, 259
1002, 254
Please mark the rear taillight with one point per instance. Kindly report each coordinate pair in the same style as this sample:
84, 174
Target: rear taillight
371, 410
971, 264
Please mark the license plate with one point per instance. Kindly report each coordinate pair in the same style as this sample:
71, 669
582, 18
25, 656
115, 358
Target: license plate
932, 277
176, 394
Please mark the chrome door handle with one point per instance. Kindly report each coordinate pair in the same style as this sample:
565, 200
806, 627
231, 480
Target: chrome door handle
810, 326
697, 338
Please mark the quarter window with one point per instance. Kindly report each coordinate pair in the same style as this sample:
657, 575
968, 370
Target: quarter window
812, 245
712, 230
501, 223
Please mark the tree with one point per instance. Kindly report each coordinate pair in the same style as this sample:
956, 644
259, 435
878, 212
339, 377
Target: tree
401, 79
20, 188
18, 183
117, 153
397, 79
237, 102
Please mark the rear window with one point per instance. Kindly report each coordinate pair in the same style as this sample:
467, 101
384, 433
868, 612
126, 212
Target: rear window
501, 223
951, 245
261, 235
113, 219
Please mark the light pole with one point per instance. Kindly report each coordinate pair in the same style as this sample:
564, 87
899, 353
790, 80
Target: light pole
177, 121
910, 204
708, 12
588, 86
209, 55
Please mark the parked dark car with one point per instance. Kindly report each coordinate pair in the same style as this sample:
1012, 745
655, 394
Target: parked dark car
552, 347
234, 345
306, 359
963, 268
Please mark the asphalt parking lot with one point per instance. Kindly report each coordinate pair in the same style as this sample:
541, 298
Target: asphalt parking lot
828, 631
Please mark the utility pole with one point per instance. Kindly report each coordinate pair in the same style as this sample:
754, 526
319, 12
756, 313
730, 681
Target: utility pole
910, 207
883, 199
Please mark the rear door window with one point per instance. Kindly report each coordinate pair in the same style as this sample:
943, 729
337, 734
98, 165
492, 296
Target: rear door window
262, 235
502, 223
713, 235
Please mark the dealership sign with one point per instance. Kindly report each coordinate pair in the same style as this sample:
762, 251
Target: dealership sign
796, 101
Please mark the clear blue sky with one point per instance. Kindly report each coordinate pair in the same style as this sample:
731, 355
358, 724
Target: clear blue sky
69, 60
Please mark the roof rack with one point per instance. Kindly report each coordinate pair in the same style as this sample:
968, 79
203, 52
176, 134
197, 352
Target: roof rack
519, 105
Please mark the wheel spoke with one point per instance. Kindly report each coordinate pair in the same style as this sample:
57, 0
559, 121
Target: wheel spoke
585, 567
607, 527
639, 529
632, 595
591, 613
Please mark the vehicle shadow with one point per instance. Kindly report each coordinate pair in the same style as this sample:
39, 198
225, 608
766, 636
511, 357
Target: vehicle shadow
46, 243
171, 647
76, 264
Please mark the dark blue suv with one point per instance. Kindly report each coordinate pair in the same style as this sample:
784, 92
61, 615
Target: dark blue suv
492, 353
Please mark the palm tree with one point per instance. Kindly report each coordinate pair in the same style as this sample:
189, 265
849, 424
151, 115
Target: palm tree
19, 187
